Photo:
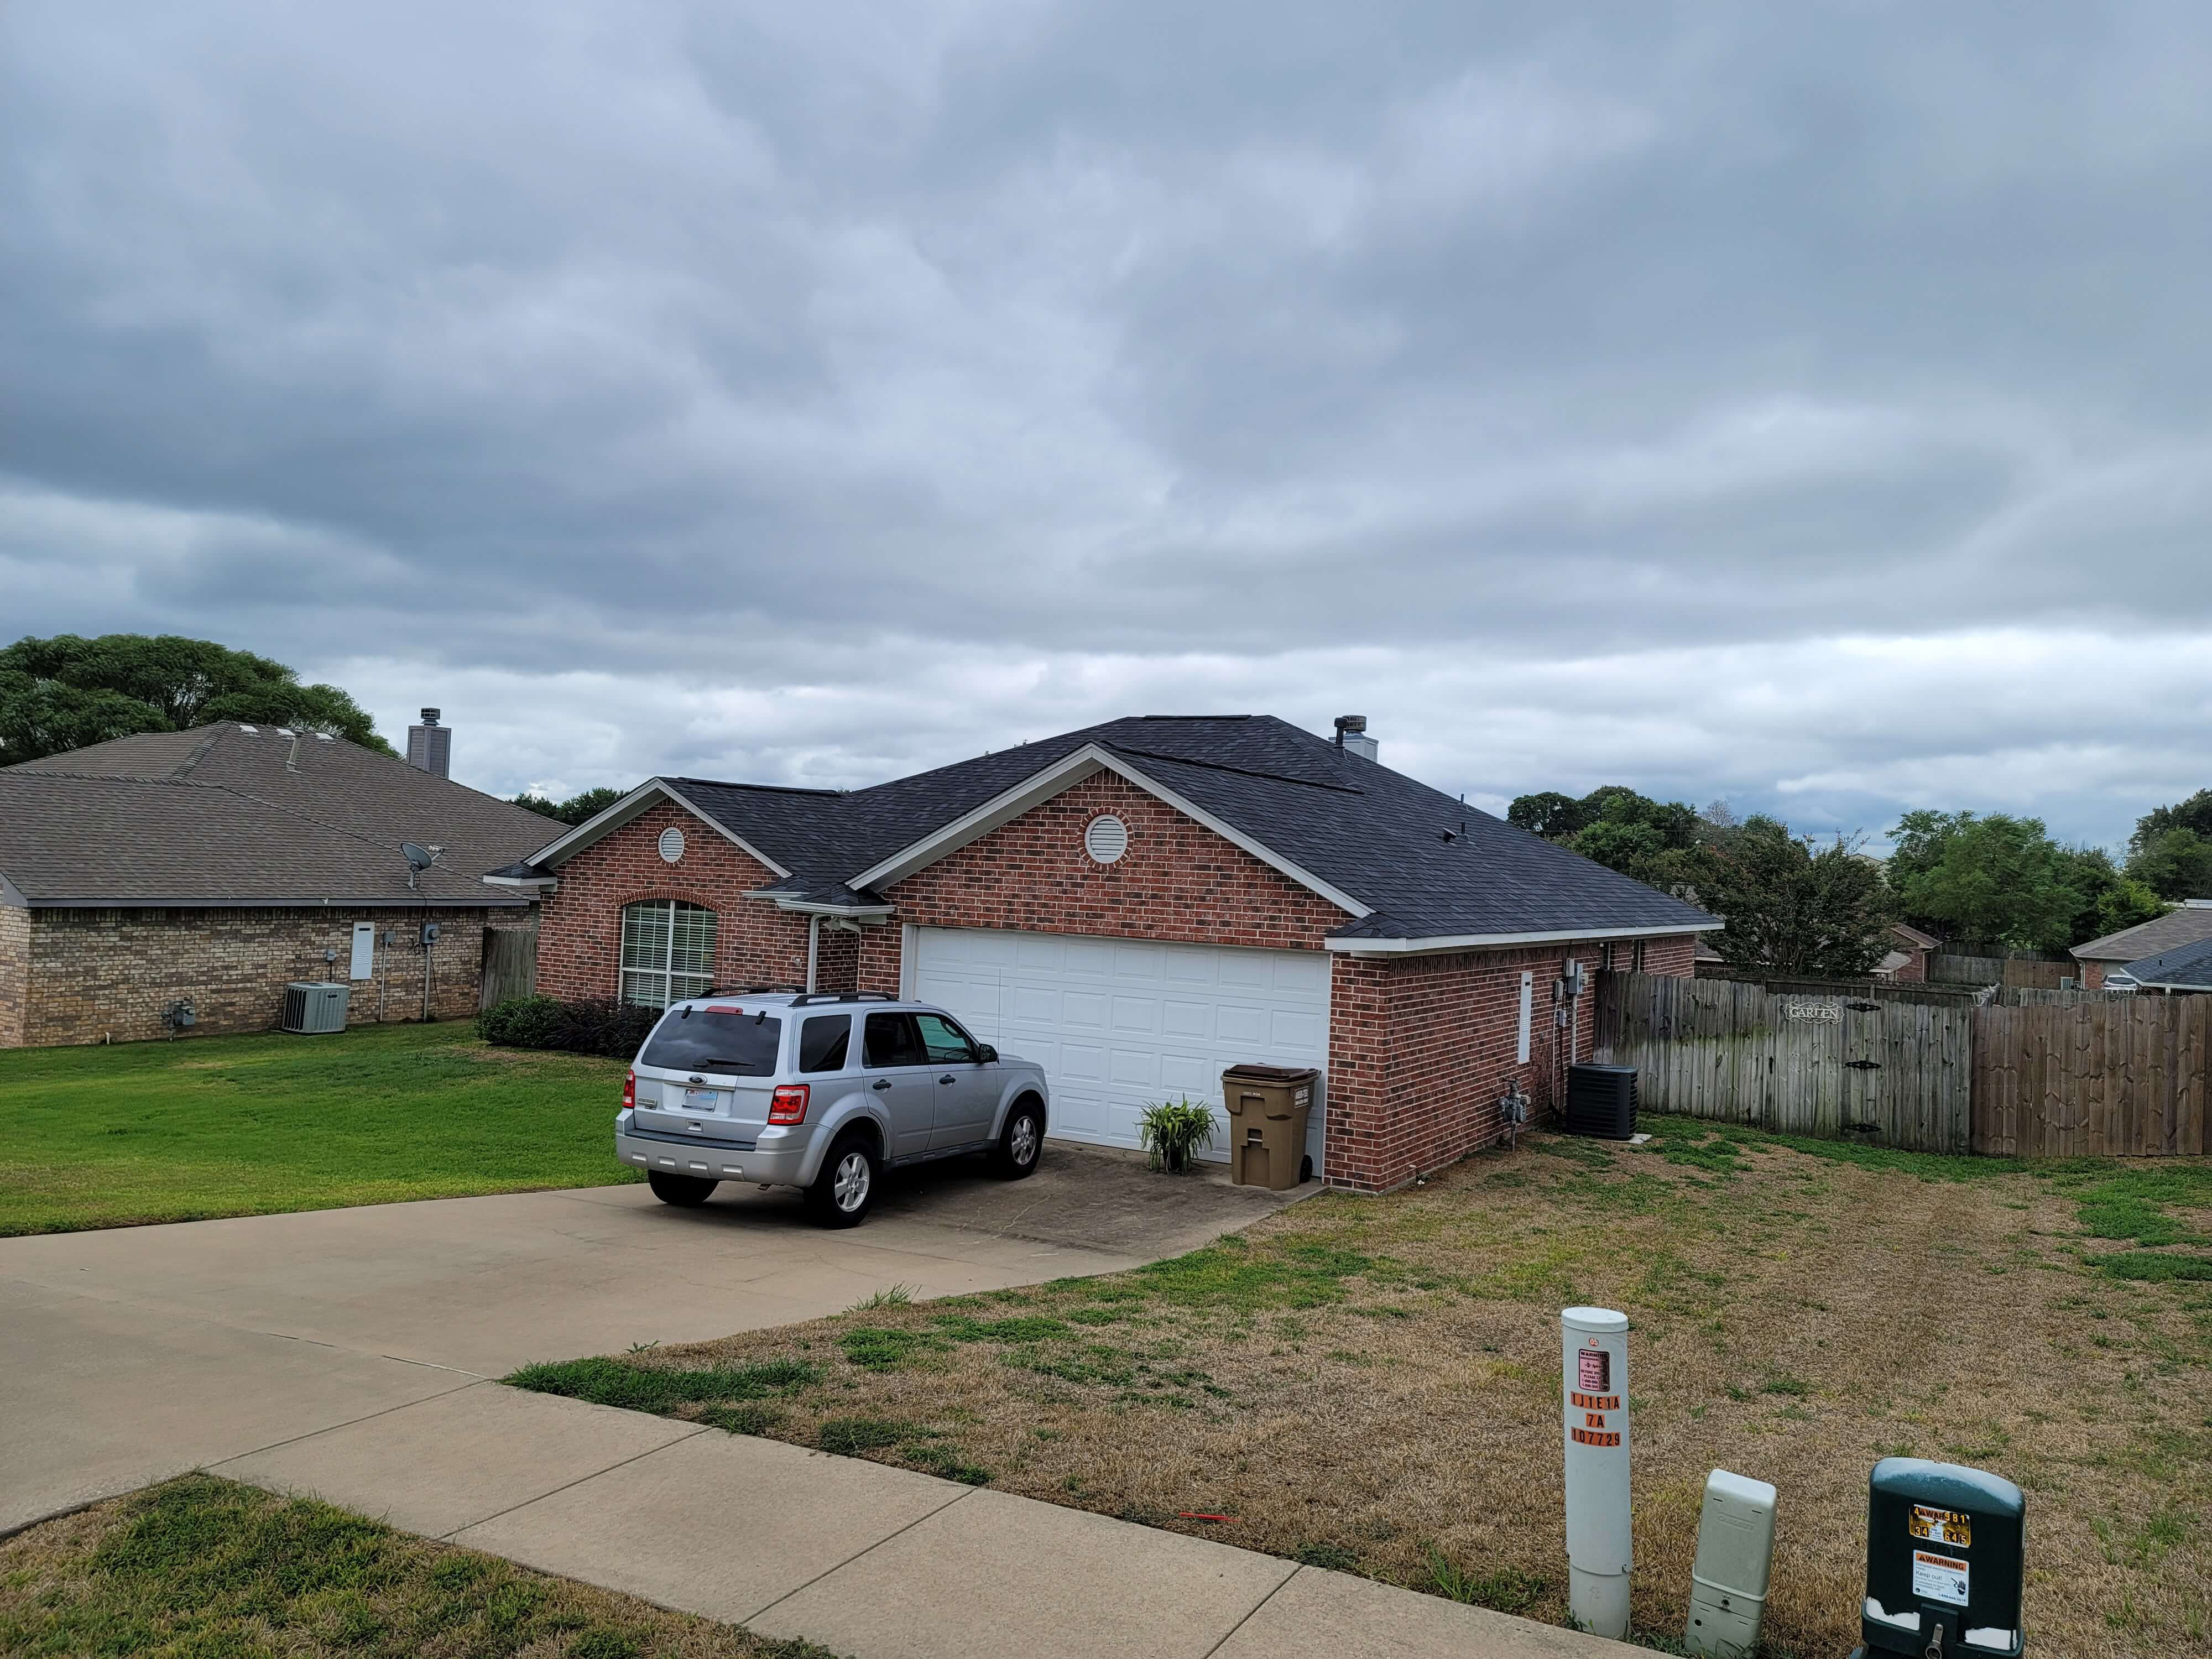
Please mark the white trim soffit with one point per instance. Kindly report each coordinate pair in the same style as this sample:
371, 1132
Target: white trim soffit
1057, 778
536, 883
809, 908
1381, 947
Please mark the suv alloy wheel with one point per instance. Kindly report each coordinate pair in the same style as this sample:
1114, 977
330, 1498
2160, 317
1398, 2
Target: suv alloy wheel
845, 1191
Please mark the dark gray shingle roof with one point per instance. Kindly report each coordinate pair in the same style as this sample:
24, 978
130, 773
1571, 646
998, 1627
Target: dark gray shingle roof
2186, 966
1371, 833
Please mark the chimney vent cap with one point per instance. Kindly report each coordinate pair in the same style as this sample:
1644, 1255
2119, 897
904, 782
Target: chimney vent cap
430, 716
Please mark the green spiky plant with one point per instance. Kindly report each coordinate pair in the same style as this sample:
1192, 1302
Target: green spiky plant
1174, 1132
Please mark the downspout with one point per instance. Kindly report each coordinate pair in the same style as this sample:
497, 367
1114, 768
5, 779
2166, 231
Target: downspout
813, 946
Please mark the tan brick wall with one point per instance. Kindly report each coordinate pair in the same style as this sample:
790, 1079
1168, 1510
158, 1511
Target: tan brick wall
14, 973
579, 938
108, 974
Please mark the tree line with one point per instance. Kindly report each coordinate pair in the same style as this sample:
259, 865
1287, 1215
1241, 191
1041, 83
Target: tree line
1796, 906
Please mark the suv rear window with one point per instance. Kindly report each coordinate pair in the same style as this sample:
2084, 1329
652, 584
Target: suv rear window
723, 1040
822, 1044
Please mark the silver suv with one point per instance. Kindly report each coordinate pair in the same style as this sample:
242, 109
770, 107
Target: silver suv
819, 1092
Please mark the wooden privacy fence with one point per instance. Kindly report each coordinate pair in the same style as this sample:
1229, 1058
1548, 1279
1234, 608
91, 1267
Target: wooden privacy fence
2116, 1075
2012, 973
2126, 1075
1895, 1072
510, 964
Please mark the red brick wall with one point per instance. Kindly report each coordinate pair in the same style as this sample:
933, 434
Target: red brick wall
838, 959
1422, 1047
97, 975
2092, 975
579, 938
1177, 881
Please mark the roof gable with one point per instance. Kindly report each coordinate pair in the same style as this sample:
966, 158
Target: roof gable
1064, 775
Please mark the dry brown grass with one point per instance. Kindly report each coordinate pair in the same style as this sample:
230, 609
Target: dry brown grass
204, 1567
1373, 1383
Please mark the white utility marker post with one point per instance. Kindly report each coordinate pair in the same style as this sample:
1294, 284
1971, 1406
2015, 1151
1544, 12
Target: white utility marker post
1735, 1557
1593, 1398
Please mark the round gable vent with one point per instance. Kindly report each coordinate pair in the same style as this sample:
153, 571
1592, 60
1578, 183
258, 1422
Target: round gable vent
671, 844
1107, 839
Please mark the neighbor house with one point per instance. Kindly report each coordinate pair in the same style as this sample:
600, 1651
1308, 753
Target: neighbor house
2186, 967
1906, 962
1138, 905
2188, 923
199, 873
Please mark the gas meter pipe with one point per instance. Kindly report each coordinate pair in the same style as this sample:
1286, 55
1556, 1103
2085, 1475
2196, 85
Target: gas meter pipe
1593, 1402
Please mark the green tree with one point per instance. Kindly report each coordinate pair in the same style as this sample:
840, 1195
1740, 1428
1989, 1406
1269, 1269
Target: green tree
1998, 878
577, 808
1620, 828
1549, 814
2111, 900
2194, 814
1792, 910
2175, 863
63, 693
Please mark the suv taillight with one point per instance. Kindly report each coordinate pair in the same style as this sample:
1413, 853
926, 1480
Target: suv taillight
788, 1103
629, 1091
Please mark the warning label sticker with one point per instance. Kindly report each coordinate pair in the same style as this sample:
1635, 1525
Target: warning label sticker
1594, 1371
1941, 1526
1940, 1578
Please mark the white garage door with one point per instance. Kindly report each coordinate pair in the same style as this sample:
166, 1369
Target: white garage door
1117, 1024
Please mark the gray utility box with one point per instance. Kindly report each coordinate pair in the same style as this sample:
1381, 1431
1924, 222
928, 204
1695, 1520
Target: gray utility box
315, 1006
1945, 1561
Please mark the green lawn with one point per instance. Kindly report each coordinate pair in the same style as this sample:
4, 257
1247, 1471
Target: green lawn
110, 1137
200, 1569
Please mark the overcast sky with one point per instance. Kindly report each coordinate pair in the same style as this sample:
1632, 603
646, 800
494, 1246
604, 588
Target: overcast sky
1802, 404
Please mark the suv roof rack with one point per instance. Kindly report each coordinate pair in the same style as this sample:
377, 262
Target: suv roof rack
812, 997
750, 990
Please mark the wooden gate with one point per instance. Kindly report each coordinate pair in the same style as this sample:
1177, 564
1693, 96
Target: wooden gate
1894, 1074
510, 964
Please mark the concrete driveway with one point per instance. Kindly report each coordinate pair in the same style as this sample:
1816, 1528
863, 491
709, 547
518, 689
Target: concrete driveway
136, 1353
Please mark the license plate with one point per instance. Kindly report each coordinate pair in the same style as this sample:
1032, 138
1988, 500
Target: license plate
702, 1100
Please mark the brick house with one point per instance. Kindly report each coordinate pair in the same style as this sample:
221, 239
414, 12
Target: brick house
215, 866
1137, 905
2188, 923
1907, 961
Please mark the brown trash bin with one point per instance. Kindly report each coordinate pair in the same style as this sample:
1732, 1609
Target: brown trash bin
1267, 1110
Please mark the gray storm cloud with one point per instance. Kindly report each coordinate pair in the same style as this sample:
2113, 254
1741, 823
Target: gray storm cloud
1803, 403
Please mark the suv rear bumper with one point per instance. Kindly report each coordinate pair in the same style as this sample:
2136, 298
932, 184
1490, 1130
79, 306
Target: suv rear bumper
777, 1167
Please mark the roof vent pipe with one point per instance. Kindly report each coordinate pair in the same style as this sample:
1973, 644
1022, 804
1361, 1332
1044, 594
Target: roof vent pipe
1351, 735
430, 745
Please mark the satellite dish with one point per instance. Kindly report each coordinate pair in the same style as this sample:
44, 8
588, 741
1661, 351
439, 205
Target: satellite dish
418, 857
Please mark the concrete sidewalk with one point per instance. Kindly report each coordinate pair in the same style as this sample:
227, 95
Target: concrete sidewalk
878, 1562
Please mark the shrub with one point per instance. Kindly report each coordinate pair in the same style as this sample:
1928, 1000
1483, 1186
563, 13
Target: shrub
589, 1026
1174, 1131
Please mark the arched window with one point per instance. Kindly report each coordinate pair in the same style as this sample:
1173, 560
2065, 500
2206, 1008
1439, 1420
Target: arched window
667, 951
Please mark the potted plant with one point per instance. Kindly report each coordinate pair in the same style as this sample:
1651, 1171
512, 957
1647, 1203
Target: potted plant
1174, 1132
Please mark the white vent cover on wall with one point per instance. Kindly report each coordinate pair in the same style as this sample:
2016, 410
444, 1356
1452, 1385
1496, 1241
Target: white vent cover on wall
671, 844
1107, 839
